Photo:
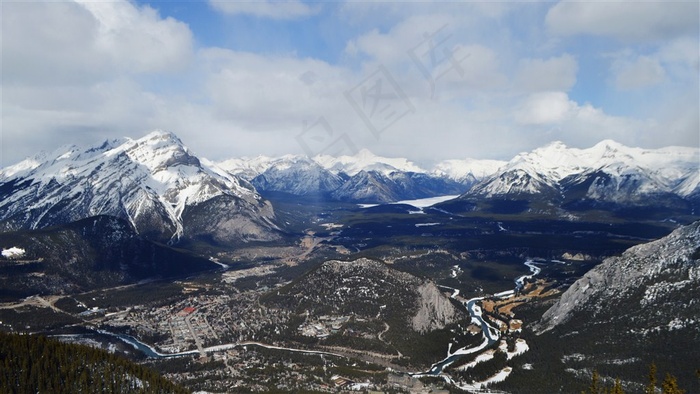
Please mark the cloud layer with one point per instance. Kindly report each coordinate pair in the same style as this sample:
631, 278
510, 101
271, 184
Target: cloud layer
425, 81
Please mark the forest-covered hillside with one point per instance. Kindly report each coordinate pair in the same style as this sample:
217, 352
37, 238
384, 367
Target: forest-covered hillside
36, 364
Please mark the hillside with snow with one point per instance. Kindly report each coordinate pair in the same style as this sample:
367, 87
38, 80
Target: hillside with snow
156, 183
608, 172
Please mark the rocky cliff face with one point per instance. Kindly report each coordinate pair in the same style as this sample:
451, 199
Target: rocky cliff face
628, 312
652, 284
434, 309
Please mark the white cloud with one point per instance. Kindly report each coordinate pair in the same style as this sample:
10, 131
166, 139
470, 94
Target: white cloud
578, 124
430, 55
290, 9
637, 73
137, 39
556, 73
393, 47
69, 70
545, 108
67, 43
271, 92
624, 20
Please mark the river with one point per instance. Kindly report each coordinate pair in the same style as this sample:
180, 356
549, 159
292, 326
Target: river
150, 352
490, 334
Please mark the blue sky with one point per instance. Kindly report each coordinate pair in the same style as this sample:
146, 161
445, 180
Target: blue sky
426, 80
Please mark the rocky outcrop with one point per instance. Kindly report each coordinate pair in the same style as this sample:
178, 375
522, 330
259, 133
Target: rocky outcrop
649, 280
435, 311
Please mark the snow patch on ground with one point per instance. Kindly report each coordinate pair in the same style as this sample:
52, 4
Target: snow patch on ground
13, 252
477, 386
483, 357
521, 347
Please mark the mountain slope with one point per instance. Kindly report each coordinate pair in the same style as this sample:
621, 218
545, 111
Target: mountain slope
36, 364
632, 310
369, 288
92, 253
376, 187
297, 175
646, 277
154, 182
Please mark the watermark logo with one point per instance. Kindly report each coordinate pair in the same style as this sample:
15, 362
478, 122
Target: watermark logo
319, 138
435, 58
379, 101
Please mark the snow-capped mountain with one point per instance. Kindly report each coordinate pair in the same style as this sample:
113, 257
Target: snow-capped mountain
247, 168
154, 182
365, 177
366, 161
467, 171
297, 175
376, 187
607, 172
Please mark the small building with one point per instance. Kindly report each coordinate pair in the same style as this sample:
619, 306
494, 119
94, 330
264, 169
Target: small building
186, 311
340, 381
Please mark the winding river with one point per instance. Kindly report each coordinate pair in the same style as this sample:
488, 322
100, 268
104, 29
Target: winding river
490, 334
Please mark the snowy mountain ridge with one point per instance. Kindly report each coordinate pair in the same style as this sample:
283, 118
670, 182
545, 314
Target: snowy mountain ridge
153, 182
608, 171
364, 160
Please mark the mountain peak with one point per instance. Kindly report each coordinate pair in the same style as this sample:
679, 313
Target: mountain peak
365, 153
159, 150
159, 134
368, 161
150, 182
609, 147
555, 145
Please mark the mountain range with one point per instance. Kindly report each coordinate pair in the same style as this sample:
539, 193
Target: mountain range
364, 177
169, 194
607, 174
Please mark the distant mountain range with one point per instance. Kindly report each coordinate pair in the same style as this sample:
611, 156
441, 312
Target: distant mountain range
606, 174
365, 177
169, 194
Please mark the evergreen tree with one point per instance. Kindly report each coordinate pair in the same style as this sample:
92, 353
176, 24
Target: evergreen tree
670, 385
651, 388
594, 387
617, 388
34, 364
